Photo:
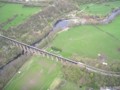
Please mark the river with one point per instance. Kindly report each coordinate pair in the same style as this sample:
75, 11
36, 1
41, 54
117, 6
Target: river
65, 23
62, 24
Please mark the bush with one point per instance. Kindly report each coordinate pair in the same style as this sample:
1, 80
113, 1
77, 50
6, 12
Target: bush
56, 49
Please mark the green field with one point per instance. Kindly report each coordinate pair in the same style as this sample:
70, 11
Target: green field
39, 74
100, 9
8, 11
88, 41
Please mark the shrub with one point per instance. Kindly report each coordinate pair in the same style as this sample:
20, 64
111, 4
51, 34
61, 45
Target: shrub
56, 49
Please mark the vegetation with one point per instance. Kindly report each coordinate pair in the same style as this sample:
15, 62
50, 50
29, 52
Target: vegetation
7, 72
85, 79
29, 31
82, 43
14, 14
89, 41
36, 74
56, 49
100, 9
92, 1
42, 74
7, 53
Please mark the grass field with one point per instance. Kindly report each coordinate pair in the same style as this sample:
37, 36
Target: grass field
71, 86
8, 11
39, 74
100, 9
88, 41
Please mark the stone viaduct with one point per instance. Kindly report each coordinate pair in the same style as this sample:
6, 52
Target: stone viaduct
35, 50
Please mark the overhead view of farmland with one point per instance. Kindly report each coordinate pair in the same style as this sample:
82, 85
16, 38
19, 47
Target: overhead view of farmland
10, 16
59, 45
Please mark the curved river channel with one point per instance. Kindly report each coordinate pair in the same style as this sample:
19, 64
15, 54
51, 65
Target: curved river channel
62, 24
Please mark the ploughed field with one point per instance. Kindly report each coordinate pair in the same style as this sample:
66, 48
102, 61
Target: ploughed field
89, 41
100, 9
14, 14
